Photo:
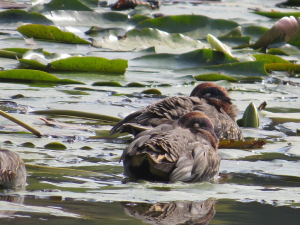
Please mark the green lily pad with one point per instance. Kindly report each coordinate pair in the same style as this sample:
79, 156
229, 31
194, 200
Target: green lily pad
277, 51
195, 26
55, 146
254, 31
75, 5
91, 64
270, 58
147, 37
135, 84
214, 77
277, 14
283, 67
236, 70
10, 54
23, 50
18, 15
107, 83
152, 91
50, 33
31, 76
199, 57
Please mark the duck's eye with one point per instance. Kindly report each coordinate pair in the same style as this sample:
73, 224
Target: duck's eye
196, 125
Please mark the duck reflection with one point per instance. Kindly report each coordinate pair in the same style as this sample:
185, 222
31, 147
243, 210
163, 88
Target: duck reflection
180, 212
9, 198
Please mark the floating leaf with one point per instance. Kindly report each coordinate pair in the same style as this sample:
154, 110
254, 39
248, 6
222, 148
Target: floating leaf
214, 77
50, 33
217, 45
195, 26
244, 144
31, 76
107, 83
135, 84
148, 37
277, 51
152, 91
10, 54
237, 70
75, 5
274, 14
283, 67
199, 57
91, 63
17, 15
87, 18
23, 50
250, 117
254, 31
55, 146
270, 58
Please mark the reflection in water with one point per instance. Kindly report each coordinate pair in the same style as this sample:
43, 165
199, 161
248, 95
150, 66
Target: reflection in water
9, 198
180, 212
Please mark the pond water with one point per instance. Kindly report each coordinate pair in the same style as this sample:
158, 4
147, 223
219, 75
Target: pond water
82, 181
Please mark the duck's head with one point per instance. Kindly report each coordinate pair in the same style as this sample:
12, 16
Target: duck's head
198, 122
217, 96
210, 90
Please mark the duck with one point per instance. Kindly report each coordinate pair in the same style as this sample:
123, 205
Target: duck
12, 170
209, 98
186, 151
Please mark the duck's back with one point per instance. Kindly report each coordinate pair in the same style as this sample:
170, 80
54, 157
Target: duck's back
174, 154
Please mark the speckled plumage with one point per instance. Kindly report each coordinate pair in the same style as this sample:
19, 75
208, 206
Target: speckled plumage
185, 152
209, 98
12, 170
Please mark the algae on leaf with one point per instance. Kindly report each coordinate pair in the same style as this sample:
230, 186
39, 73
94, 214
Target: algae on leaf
31, 76
50, 33
91, 64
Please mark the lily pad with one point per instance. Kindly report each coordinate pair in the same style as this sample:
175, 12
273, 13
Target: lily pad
243, 144
214, 77
107, 83
32, 76
10, 54
236, 70
50, 33
55, 146
195, 26
283, 67
18, 15
135, 84
277, 51
152, 91
75, 5
270, 58
199, 57
275, 14
90, 63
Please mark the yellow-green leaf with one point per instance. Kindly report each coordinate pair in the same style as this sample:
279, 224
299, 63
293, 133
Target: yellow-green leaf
91, 64
50, 33
214, 77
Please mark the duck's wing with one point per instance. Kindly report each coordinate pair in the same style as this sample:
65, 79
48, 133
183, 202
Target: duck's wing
224, 126
200, 163
12, 169
128, 119
164, 111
